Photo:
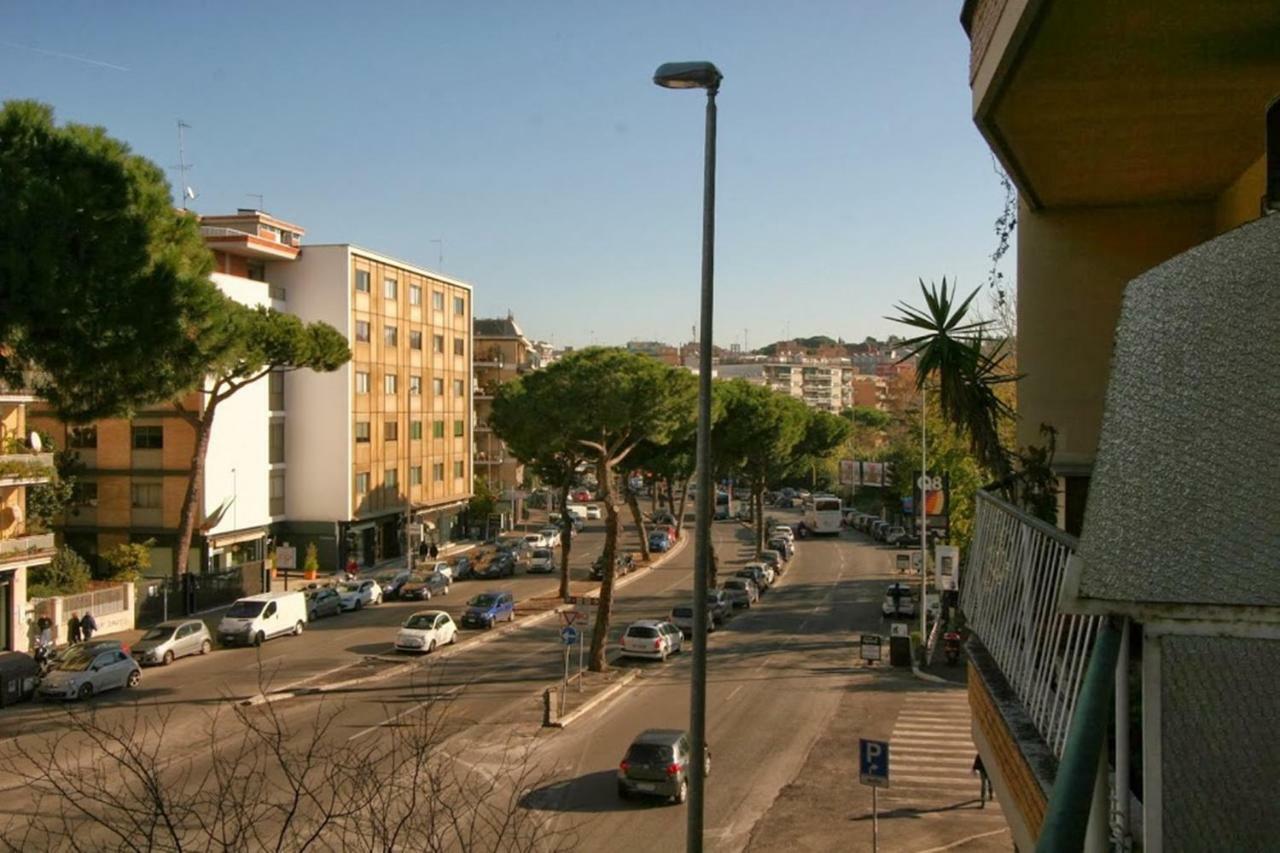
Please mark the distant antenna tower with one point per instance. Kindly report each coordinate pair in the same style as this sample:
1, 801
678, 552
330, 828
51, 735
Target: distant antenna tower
258, 196
439, 241
188, 194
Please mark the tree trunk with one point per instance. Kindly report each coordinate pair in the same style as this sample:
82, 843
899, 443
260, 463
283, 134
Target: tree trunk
566, 540
713, 570
634, 503
684, 496
600, 636
757, 502
191, 501
653, 496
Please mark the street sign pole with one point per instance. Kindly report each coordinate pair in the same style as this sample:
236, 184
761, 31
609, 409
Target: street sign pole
875, 821
873, 770
565, 689
581, 638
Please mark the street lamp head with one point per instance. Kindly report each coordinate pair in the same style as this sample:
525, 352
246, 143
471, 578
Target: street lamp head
688, 75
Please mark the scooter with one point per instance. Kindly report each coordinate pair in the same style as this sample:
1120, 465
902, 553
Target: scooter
42, 653
951, 647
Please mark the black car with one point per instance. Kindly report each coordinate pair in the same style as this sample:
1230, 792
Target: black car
423, 587
624, 563
392, 581
463, 568
657, 764
501, 566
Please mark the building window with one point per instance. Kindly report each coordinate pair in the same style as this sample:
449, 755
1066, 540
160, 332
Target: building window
389, 383
147, 495
415, 430
415, 475
83, 438
256, 270
437, 386
437, 429
276, 494
362, 382
362, 281
389, 288
437, 300
362, 330
457, 470
362, 484
459, 388
415, 294
86, 494
148, 437
362, 432
437, 472
275, 390
275, 442
391, 478
415, 385
390, 334
459, 306
390, 431
415, 340
459, 346
277, 292
459, 429
437, 343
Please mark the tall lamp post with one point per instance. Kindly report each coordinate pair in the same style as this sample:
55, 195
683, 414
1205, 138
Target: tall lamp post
700, 75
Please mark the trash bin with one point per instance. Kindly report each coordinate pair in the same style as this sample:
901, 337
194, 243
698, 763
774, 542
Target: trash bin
900, 644
18, 676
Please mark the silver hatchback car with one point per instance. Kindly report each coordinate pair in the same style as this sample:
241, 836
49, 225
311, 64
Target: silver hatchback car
170, 640
82, 676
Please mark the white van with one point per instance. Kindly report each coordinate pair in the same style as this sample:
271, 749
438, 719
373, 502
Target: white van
260, 617
578, 511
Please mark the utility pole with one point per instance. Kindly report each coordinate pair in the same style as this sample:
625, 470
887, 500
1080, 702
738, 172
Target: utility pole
924, 525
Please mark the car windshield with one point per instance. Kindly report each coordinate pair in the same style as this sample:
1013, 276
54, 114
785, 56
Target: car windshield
541, 554
76, 663
160, 632
682, 612
420, 621
350, 587
245, 609
483, 601
740, 584
643, 631
650, 753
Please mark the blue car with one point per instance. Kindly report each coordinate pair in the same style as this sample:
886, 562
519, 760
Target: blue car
659, 541
488, 608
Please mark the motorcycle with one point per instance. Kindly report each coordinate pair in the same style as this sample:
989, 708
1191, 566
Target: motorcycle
42, 653
951, 647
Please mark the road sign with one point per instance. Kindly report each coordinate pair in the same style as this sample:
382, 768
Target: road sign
899, 629
870, 644
568, 635
873, 762
570, 616
286, 557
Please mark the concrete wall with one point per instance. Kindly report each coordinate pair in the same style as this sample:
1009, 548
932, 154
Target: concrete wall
1072, 268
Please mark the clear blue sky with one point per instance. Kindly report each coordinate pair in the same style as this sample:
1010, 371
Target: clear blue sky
565, 185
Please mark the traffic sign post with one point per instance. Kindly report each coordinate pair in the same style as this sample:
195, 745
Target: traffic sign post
873, 770
870, 646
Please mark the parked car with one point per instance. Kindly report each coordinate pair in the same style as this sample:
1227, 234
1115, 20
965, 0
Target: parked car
425, 630
659, 540
463, 568
440, 566
651, 638
741, 591
895, 535
623, 563
582, 495
760, 573
542, 561
323, 601
593, 512
657, 764
424, 586
773, 559
359, 594
721, 605
80, 676
502, 565
257, 618
488, 608
877, 529
390, 581
722, 513
551, 535
783, 531
88, 647
664, 517
899, 600
783, 546
535, 540
174, 639
682, 618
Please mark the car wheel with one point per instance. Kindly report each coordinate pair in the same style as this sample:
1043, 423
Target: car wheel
682, 793
206, 647
426, 595
431, 648
297, 628
85, 691
489, 625
258, 638
134, 677
624, 793
359, 604
453, 638
168, 658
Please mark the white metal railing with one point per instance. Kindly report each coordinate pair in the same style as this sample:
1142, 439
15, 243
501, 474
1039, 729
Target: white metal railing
1010, 600
101, 602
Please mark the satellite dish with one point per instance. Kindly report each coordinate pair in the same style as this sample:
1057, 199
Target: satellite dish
17, 513
34, 440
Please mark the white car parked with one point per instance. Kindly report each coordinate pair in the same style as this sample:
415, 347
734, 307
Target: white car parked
551, 535
425, 630
782, 530
770, 576
535, 540
357, 594
435, 566
593, 512
651, 638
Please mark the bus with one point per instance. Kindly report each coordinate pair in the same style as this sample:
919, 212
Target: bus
823, 515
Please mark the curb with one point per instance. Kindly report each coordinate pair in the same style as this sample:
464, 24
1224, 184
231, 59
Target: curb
400, 667
928, 676
602, 696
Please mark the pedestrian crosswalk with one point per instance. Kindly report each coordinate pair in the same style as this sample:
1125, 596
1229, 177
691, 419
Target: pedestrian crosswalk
931, 752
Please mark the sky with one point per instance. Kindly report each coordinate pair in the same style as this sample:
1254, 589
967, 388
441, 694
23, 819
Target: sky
523, 148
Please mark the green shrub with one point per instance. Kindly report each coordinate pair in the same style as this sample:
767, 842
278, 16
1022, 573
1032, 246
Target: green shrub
66, 574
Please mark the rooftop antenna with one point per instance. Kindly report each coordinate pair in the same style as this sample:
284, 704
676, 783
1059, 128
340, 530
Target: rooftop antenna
188, 194
258, 196
439, 241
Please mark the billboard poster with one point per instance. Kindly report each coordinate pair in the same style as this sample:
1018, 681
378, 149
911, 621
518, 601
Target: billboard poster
848, 472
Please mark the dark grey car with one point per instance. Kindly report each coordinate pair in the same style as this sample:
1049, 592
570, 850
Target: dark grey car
657, 764
323, 602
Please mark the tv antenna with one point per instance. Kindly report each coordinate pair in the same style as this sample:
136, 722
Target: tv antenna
188, 194
258, 196
439, 241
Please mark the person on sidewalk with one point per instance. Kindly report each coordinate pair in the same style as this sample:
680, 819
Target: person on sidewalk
73, 628
88, 625
985, 792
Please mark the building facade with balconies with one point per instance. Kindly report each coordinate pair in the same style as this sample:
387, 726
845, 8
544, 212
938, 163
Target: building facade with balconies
503, 352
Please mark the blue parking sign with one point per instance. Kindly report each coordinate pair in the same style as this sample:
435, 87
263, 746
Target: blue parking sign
873, 762
568, 635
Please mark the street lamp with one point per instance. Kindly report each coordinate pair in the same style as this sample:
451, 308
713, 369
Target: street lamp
700, 75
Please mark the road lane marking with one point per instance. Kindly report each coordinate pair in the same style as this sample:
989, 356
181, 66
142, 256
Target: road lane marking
729, 698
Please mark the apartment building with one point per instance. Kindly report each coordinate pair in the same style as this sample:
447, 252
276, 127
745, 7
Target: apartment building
137, 469
23, 544
821, 385
386, 440
502, 353
870, 391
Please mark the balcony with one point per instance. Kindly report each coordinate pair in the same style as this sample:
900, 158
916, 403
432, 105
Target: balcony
235, 241
482, 459
27, 548
484, 390
492, 357
25, 469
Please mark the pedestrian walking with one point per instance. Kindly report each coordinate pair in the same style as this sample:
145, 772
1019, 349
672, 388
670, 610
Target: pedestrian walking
73, 628
435, 552
88, 625
985, 793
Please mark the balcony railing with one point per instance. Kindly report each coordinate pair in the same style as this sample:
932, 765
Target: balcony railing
1010, 597
22, 546
25, 467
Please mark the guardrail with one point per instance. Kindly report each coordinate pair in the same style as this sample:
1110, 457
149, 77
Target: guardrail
1010, 599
